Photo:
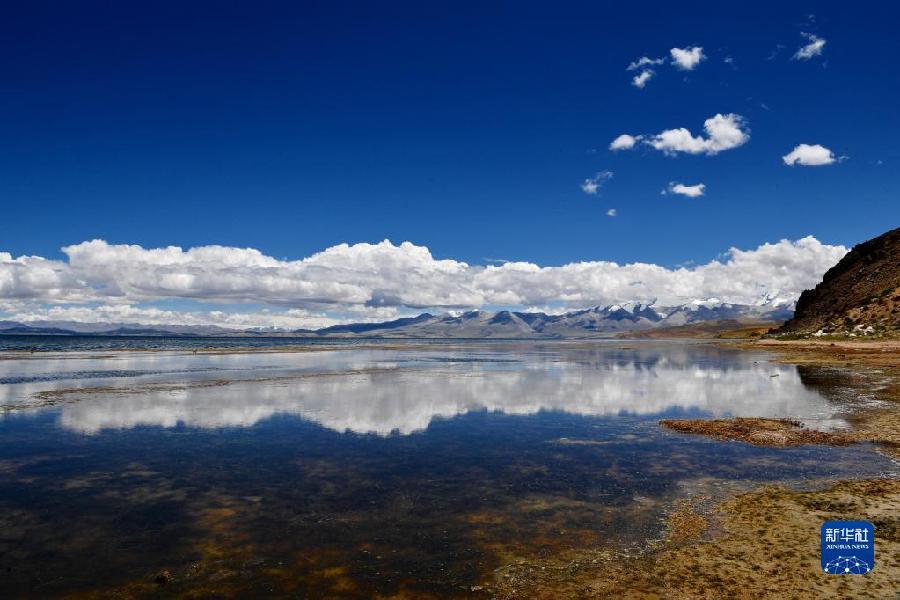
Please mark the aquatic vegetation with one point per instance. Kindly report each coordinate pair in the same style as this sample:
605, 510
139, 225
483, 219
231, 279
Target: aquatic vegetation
759, 431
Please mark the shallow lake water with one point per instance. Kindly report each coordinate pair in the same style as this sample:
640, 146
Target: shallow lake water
409, 468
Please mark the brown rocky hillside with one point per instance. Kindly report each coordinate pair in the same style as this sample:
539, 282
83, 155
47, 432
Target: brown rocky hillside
859, 295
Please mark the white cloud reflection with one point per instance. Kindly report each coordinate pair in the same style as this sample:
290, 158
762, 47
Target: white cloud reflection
383, 392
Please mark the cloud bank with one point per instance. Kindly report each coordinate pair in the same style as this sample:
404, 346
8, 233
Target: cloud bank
101, 281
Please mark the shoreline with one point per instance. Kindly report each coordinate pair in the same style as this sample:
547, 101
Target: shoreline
761, 543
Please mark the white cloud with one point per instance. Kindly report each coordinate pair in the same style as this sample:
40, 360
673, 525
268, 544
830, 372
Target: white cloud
645, 61
128, 314
641, 79
687, 59
624, 142
691, 191
368, 281
592, 185
611, 212
783, 269
809, 155
723, 132
814, 48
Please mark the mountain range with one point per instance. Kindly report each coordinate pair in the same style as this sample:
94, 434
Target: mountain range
605, 321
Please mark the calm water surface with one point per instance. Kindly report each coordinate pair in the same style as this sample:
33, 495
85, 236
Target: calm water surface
415, 468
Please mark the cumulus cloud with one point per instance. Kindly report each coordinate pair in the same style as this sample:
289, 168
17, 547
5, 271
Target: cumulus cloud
687, 59
691, 191
723, 132
814, 47
592, 185
641, 79
611, 212
809, 155
624, 142
127, 314
372, 281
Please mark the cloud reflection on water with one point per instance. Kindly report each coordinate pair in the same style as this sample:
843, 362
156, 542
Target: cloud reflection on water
406, 400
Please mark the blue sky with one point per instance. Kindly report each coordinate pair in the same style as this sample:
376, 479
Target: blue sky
466, 129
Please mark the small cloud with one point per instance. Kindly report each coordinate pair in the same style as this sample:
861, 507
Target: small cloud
624, 142
641, 79
691, 191
592, 185
645, 61
723, 132
775, 51
687, 59
810, 155
611, 212
813, 48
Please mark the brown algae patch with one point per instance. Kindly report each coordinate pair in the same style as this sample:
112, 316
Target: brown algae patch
685, 523
777, 433
882, 426
768, 548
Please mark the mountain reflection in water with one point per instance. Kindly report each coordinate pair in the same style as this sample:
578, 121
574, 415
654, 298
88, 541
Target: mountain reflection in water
391, 391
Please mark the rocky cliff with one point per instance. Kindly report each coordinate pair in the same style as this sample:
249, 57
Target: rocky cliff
860, 295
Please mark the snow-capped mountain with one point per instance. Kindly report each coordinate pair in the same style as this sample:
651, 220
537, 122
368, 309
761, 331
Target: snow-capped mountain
599, 321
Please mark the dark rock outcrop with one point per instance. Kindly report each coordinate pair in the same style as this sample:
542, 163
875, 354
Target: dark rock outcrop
859, 295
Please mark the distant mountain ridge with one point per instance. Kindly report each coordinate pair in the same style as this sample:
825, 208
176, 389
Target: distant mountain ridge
599, 321
605, 321
860, 295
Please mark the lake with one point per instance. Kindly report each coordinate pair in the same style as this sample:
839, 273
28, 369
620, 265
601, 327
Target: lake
352, 469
